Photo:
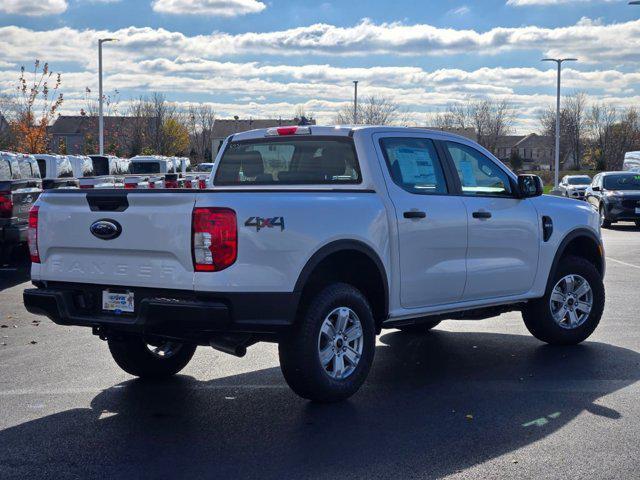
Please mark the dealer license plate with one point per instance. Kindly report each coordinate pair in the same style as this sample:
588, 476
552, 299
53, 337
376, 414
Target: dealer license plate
117, 302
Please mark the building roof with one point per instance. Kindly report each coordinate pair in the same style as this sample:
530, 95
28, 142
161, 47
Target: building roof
80, 124
222, 128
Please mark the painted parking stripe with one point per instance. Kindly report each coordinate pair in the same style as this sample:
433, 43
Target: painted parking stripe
623, 263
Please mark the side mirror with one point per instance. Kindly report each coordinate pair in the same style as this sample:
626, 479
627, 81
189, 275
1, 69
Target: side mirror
529, 186
595, 188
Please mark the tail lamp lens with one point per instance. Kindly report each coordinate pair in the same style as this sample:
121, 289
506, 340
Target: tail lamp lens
6, 205
215, 239
202, 184
32, 234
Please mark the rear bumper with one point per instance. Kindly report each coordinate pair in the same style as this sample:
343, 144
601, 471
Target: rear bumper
165, 312
13, 234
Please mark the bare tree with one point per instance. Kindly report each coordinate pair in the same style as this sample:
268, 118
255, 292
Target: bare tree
373, 110
576, 106
200, 122
490, 119
600, 121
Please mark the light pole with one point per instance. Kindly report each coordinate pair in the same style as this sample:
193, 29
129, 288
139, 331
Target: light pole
559, 61
355, 102
100, 115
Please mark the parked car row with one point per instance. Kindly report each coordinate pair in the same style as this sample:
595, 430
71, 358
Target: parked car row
23, 177
616, 195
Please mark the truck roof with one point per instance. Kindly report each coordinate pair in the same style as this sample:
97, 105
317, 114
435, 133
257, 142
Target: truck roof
344, 131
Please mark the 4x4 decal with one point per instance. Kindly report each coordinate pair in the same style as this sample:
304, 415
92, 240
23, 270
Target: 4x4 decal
259, 223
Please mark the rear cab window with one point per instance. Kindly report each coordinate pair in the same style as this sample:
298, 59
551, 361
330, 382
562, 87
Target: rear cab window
289, 160
137, 167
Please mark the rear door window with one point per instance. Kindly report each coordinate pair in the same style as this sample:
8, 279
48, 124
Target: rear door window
414, 165
289, 161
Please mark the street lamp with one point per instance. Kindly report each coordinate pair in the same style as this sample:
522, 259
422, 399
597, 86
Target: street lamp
100, 115
355, 102
559, 61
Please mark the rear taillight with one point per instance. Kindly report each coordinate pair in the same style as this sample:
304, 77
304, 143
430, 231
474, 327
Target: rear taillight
202, 184
170, 184
6, 205
130, 185
32, 234
215, 239
187, 184
152, 184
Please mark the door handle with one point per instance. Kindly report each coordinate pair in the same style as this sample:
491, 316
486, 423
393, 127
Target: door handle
414, 214
481, 214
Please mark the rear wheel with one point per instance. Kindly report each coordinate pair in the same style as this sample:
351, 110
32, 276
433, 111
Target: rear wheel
422, 327
161, 359
571, 308
328, 355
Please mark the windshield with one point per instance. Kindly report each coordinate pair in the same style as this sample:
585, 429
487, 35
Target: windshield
288, 160
578, 180
205, 167
622, 182
144, 167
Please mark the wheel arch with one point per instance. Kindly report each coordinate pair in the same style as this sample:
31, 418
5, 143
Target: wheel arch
365, 271
580, 242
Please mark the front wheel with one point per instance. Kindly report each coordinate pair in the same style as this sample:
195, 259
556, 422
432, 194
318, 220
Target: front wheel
604, 222
572, 306
161, 359
328, 355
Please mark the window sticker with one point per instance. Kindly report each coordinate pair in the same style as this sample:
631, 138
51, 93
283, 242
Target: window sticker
414, 167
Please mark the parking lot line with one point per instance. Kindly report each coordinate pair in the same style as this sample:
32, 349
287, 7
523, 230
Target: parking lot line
623, 263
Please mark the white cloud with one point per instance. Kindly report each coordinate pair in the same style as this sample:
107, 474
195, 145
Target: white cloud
463, 10
223, 8
33, 8
526, 3
588, 40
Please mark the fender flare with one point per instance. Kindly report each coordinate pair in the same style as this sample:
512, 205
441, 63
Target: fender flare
569, 237
339, 246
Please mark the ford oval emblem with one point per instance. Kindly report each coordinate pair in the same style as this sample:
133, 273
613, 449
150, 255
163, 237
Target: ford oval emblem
106, 229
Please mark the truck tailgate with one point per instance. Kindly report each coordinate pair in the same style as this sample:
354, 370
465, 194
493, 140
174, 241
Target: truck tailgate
153, 248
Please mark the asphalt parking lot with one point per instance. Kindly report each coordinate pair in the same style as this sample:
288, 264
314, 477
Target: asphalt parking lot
469, 400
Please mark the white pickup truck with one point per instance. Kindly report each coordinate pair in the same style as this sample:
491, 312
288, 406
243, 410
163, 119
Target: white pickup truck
316, 238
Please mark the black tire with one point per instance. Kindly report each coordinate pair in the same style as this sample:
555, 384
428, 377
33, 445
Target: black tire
604, 222
422, 327
132, 354
298, 351
537, 313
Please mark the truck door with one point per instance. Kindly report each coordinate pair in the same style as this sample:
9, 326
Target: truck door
432, 225
504, 230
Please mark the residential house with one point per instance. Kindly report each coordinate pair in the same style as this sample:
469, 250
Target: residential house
536, 151
78, 134
224, 127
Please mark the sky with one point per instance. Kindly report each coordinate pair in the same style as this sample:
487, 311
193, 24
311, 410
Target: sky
263, 58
